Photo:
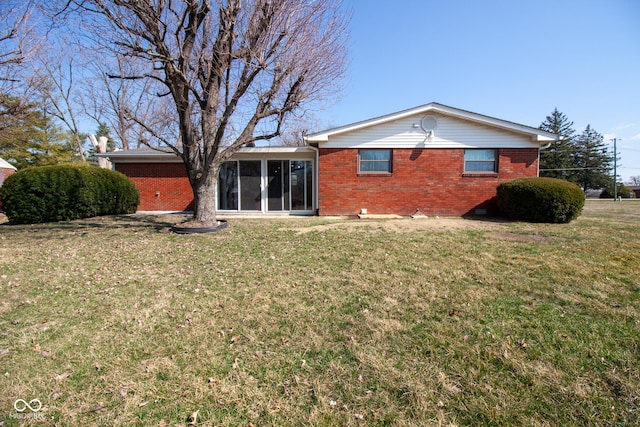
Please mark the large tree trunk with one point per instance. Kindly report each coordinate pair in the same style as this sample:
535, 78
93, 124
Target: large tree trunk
235, 70
204, 203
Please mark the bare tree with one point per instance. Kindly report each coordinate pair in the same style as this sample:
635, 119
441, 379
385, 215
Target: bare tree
233, 70
55, 77
116, 101
296, 128
14, 40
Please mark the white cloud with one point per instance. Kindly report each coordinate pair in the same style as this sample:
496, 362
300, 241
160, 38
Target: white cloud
626, 126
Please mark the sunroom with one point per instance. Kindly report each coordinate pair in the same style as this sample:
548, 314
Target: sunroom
268, 180
256, 180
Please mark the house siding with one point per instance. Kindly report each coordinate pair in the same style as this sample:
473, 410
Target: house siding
162, 186
449, 133
432, 180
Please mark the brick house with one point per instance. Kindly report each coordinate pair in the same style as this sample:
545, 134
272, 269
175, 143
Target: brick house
434, 158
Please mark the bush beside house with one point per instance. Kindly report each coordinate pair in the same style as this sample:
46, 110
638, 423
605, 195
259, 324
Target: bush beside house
540, 200
66, 192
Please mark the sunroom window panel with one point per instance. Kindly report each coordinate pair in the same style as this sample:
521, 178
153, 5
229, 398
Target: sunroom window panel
278, 185
250, 191
228, 186
301, 185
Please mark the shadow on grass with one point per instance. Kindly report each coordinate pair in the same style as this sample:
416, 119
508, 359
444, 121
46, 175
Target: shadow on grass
127, 221
489, 219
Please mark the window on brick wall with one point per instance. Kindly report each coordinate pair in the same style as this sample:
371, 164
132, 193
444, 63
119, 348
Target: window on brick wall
480, 161
374, 161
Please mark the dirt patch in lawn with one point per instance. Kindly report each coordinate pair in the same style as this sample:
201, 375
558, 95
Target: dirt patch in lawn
405, 225
516, 237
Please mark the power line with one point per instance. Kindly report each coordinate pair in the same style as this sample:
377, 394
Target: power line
574, 169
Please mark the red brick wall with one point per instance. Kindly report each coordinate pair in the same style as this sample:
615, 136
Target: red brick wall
6, 172
163, 186
431, 180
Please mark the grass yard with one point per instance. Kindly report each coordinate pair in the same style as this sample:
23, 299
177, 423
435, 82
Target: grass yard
316, 321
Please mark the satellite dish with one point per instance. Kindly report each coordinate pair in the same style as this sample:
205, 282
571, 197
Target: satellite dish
429, 124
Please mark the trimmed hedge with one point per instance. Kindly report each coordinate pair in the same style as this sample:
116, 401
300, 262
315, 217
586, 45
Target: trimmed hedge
66, 192
540, 200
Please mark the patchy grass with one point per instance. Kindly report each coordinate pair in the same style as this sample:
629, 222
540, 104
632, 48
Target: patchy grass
311, 321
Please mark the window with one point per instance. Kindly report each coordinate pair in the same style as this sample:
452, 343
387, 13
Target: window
480, 161
374, 161
228, 186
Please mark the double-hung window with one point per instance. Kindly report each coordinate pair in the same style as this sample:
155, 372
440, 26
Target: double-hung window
374, 161
480, 161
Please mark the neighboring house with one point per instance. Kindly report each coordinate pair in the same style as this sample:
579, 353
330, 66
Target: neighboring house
6, 169
436, 159
636, 190
593, 194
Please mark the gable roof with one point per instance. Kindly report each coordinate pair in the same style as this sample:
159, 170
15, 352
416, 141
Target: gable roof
536, 135
6, 165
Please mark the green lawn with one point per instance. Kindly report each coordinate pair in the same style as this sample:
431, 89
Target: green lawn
316, 321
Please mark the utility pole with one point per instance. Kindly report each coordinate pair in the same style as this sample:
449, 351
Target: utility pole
615, 170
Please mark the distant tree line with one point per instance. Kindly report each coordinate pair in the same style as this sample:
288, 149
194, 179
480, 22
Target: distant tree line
584, 159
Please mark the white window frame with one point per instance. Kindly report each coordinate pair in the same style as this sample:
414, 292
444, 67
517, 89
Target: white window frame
494, 162
389, 162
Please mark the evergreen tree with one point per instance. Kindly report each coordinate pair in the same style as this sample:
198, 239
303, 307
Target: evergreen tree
51, 145
556, 160
19, 121
592, 160
29, 137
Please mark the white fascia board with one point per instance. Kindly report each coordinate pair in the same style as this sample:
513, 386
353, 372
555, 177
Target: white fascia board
140, 156
545, 139
157, 156
280, 149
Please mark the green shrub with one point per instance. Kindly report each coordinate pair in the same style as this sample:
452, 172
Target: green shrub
623, 192
540, 200
66, 192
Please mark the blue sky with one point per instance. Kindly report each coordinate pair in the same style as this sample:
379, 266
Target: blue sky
514, 60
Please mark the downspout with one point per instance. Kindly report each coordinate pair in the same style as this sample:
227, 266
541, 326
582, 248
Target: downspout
544, 147
316, 177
